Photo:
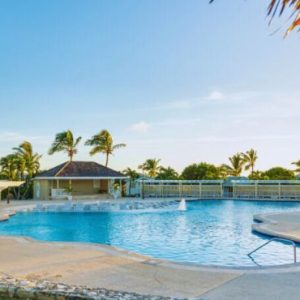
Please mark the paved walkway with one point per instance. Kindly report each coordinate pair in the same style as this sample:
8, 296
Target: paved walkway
103, 266
107, 267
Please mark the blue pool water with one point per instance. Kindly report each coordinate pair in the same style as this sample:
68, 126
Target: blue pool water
211, 232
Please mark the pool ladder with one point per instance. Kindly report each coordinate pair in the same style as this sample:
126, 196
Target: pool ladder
275, 240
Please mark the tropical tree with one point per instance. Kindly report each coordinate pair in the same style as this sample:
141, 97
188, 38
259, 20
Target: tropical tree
250, 158
279, 6
258, 175
30, 159
223, 172
167, 174
201, 171
236, 165
29, 166
133, 175
151, 167
23, 164
297, 164
65, 141
279, 173
11, 167
103, 143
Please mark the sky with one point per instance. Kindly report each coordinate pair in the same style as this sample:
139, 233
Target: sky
183, 81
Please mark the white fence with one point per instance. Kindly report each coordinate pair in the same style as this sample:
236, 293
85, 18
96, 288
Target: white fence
217, 189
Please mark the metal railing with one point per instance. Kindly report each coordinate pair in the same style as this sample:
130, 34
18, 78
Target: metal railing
275, 240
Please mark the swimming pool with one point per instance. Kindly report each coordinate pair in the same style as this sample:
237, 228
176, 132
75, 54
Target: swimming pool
212, 232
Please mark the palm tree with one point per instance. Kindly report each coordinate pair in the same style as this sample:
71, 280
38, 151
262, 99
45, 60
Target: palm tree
236, 165
279, 6
151, 167
133, 175
250, 158
103, 143
223, 171
65, 141
31, 160
167, 174
29, 165
297, 164
11, 167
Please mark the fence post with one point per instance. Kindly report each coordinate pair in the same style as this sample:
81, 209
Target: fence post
221, 189
179, 188
256, 189
200, 189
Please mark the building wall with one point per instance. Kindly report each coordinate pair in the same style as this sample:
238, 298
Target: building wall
42, 188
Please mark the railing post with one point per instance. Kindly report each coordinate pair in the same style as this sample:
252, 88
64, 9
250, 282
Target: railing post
221, 190
200, 189
179, 189
256, 189
279, 190
278, 240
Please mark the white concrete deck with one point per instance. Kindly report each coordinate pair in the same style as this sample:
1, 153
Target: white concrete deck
283, 225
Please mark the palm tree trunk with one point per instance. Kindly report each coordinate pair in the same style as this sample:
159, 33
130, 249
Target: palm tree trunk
106, 162
7, 198
27, 188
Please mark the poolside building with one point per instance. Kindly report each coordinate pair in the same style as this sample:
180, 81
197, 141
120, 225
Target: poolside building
81, 179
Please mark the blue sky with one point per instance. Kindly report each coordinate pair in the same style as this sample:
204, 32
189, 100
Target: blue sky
183, 81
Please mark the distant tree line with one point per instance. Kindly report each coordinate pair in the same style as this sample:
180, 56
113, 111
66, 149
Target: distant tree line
205, 171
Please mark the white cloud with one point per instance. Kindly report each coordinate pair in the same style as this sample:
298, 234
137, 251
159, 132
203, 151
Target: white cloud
215, 95
18, 137
141, 126
236, 96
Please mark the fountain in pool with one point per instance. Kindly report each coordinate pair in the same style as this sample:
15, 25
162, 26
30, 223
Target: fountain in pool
182, 205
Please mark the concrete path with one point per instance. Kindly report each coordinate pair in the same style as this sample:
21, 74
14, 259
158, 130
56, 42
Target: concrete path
107, 267
104, 266
280, 286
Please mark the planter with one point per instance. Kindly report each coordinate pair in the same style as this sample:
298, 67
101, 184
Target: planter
70, 198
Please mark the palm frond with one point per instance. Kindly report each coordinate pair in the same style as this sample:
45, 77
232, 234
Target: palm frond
118, 146
277, 7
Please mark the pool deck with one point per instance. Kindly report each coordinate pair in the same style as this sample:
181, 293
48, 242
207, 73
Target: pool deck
282, 225
108, 267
